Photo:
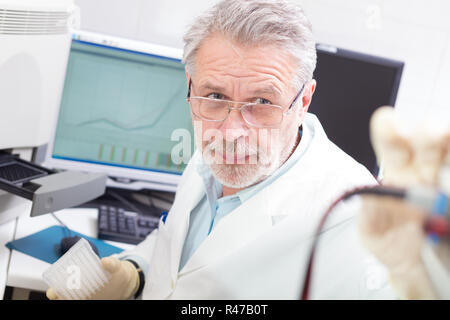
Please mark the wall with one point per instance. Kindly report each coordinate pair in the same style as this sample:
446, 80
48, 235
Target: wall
414, 31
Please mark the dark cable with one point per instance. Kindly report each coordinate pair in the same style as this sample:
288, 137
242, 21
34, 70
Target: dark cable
370, 190
125, 202
152, 194
62, 223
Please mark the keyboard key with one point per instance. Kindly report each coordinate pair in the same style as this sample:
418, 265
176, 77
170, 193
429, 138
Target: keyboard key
117, 224
142, 223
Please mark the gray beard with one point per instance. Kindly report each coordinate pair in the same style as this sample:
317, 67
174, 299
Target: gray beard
239, 176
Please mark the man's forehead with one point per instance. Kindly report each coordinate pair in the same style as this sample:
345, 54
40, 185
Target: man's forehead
219, 54
218, 85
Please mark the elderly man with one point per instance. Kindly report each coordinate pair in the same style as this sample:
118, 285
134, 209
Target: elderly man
253, 193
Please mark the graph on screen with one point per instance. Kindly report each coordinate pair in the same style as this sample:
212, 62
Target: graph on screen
120, 108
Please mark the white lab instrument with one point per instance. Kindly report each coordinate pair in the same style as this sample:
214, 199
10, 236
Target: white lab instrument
34, 42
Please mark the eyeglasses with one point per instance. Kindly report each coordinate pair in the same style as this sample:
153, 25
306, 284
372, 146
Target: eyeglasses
254, 114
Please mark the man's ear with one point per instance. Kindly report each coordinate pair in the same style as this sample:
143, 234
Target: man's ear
307, 96
188, 77
309, 89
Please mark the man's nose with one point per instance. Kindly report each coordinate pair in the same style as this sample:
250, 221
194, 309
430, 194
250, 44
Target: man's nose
234, 126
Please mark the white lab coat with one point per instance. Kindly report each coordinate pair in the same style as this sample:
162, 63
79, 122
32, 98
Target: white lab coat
260, 249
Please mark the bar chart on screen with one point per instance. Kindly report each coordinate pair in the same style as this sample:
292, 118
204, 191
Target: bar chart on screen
136, 157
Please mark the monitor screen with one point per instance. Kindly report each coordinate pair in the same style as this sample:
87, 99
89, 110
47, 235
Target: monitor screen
350, 86
121, 102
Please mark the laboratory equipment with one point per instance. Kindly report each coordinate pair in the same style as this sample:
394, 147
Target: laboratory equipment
35, 41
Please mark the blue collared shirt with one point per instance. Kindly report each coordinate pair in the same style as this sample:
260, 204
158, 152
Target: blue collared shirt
213, 207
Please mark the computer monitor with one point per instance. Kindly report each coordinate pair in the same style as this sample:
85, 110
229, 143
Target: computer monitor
350, 87
121, 102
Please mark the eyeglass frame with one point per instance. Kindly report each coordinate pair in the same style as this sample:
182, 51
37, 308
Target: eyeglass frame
188, 97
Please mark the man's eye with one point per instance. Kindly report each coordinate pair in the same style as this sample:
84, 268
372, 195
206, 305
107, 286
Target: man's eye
262, 101
215, 96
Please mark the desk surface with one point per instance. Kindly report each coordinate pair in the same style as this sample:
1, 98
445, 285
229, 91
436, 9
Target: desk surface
6, 235
25, 271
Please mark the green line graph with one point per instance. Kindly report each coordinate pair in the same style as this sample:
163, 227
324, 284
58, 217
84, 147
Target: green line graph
134, 125
121, 108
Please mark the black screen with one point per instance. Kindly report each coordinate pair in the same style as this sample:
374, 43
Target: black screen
350, 86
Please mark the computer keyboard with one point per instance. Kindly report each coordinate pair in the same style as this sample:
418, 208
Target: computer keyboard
117, 224
122, 217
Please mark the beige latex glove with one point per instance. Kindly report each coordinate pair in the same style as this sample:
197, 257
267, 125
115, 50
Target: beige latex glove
391, 229
122, 285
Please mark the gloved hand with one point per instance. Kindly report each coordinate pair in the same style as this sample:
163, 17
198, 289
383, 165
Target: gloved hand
391, 229
122, 285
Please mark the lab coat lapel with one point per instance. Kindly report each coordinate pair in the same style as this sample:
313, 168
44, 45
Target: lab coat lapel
234, 230
189, 197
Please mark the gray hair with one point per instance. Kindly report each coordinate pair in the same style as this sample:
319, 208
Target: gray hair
256, 22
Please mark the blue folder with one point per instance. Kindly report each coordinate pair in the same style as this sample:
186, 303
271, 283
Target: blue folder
45, 245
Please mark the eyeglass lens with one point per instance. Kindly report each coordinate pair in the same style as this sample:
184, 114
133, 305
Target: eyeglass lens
255, 114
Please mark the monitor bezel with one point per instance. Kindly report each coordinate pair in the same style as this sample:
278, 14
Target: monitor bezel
123, 177
369, 58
